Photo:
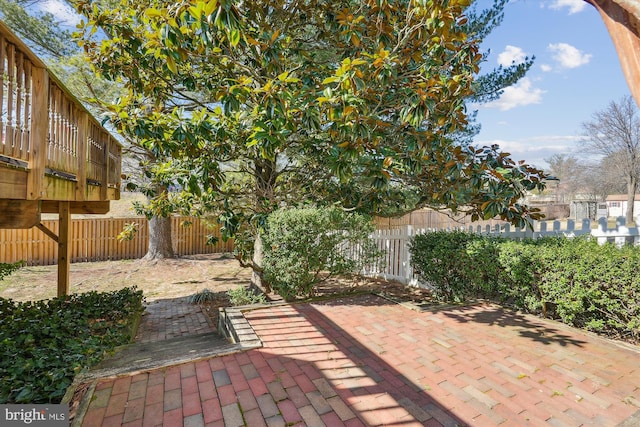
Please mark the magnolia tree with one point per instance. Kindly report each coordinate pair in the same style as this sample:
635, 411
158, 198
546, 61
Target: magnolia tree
264, 104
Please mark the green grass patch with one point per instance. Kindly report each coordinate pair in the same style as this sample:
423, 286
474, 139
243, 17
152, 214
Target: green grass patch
45, 344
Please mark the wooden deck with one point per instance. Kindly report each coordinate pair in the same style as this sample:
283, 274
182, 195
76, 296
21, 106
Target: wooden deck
51, 149
55, 157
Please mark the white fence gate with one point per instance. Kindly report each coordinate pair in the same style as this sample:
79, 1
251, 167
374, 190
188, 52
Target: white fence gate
396, 263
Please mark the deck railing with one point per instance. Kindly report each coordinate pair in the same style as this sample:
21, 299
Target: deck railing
46, 131
15, 101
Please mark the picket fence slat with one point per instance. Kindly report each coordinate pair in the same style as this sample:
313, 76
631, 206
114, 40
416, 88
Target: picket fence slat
396, 263
96, 239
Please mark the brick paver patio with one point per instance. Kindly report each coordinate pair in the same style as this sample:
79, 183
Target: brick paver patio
171, 318
366, 361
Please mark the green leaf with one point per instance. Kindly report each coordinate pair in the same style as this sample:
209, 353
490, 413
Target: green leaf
25, 395
210, 7
234, 36
152, 13
171, 64
331, 79
196, 11
283, 76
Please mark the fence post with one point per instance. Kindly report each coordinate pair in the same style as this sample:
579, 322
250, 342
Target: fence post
529, 228
408, 267
64, 249
543, 230
621, 231
571, 226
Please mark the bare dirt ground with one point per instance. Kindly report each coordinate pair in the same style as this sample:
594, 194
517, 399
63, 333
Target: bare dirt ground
170, 278
174, 278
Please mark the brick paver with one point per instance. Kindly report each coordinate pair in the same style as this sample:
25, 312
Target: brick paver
170, 318
365, 361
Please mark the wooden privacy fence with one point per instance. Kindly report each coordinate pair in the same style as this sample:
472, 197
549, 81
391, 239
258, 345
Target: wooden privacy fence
396, 263
428, 218
96, 239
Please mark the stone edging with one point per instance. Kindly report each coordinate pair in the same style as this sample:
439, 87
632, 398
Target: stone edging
233, 326
236, 328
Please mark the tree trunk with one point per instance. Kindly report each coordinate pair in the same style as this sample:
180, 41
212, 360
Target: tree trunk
160, 244
265, 176
257, 274
631, 197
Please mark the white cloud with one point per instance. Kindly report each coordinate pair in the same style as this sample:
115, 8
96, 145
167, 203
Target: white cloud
520, 94
61, 10
537, 148
546, 68
510, 55
574, 6
568, 56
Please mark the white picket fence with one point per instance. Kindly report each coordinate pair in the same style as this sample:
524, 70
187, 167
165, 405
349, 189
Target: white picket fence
396, 264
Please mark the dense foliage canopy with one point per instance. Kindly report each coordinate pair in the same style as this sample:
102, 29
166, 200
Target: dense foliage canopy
262, 104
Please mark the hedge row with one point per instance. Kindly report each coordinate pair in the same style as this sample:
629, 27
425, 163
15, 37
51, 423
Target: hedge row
573, 280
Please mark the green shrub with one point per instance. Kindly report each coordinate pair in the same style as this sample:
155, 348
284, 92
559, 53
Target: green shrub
522, 266
483, 269
7, 269
245, 296
595, 287
305, 246
458, 264
44, 344
205, 295
574, 280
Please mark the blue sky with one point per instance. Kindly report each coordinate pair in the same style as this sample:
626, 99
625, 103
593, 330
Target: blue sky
576, 73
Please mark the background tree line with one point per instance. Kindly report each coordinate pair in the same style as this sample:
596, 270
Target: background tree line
609, 162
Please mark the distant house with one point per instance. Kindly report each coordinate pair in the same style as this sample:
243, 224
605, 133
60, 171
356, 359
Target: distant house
617, 205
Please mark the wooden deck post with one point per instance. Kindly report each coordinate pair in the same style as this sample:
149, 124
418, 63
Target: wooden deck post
64, 251
38, 134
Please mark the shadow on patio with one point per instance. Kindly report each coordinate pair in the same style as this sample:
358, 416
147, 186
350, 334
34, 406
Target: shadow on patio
362, 360
351, 378
493, 315
479, 364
